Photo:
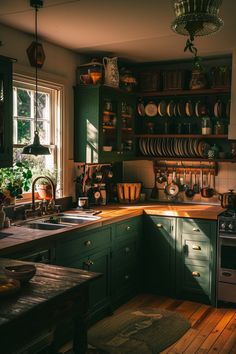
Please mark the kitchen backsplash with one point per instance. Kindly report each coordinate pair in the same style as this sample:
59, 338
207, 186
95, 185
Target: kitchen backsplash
142, 171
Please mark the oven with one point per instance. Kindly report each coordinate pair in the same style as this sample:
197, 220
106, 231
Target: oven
226, 260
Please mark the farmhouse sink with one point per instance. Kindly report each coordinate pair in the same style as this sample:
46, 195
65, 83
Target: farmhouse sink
43, 226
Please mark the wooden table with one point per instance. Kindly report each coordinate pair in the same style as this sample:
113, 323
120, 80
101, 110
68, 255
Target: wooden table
51, 296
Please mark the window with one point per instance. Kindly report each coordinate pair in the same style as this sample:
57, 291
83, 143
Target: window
48, 125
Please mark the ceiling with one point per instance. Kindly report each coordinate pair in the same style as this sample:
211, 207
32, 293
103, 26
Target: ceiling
133, 30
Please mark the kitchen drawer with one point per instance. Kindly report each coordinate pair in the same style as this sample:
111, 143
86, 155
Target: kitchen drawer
125, 277
125, 253
196, 279
127, 228
196, 227
79, 244
196, 247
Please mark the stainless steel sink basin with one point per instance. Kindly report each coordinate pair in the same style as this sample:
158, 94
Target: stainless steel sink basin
56, 222
43, 226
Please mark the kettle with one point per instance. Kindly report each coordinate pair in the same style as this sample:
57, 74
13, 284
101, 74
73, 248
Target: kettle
228, 200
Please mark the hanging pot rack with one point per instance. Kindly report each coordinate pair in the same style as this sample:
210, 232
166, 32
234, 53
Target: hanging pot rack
166, 166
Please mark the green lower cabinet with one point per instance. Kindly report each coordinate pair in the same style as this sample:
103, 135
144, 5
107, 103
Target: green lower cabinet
159, 257
195, 259
126, 272
90, 250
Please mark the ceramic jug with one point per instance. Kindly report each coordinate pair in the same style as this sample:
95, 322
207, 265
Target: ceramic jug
111, 71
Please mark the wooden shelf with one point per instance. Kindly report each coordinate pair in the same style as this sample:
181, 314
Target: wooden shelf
185, 92
127, 129
145, 157
109, 113
108, 127
126, 116
212, 136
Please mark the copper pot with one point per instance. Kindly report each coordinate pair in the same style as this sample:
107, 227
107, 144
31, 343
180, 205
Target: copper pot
228, 200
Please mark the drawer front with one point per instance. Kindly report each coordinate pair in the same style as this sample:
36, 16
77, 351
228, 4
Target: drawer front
125, 253
127, 228
125, 277
196, 249
196, 279
81, 244
196, 227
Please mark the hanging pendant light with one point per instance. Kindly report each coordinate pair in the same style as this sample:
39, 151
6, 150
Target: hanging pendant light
36, 57
196, 17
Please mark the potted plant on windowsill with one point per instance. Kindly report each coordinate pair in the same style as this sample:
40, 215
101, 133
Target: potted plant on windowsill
43, 186
14, 181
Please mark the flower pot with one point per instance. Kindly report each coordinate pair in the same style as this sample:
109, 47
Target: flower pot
44, 191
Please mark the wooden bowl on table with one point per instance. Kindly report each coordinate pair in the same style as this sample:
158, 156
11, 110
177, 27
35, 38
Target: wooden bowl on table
22, 272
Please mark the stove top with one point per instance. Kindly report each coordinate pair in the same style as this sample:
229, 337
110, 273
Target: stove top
227, 222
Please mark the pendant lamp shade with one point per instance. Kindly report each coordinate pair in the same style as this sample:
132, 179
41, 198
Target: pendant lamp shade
36, 57
196, 17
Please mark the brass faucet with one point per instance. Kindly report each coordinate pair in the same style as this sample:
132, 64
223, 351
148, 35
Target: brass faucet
39, 211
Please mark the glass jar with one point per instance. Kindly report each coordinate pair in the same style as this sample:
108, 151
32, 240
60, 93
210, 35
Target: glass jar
206, 125
218, 128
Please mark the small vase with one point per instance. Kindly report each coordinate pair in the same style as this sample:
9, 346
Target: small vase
2, 217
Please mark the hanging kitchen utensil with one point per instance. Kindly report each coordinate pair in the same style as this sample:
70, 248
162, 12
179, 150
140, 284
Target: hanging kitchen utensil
228, 199
185, 185
172, 188
161, 177
207, 192
195, 185
155, 191
190, 192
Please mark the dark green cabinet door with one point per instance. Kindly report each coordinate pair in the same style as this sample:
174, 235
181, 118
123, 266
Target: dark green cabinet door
159, 258
104, 116
195, 259
6, 118
99, 295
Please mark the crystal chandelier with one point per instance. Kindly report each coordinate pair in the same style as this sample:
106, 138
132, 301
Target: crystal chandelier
196, 17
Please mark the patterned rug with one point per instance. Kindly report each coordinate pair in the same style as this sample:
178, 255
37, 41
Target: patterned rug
141, 331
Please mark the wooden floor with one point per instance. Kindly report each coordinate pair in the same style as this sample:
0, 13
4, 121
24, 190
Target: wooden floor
213, 330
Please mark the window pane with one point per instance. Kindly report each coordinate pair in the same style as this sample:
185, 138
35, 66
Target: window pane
23, 131
42, 105
43, 129
23, 102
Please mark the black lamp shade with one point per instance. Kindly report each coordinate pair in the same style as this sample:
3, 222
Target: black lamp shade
36, 148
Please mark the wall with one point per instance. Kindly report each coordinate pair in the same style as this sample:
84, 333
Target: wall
136, 171
60, 67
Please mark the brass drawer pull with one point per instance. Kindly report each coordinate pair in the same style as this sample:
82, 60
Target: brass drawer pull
196, 274
88, 243
128, 228
159, 226
127, 249
126, 277
88, 263
196, 229
196, 247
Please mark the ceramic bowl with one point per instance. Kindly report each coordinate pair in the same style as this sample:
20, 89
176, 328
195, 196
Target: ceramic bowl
22, 272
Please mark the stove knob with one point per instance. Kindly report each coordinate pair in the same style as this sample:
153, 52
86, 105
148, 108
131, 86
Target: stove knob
222, 225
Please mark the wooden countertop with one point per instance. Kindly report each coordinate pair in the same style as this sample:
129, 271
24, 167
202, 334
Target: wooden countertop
15, 238
52, 294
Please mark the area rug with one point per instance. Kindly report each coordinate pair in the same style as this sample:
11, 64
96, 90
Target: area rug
140, 331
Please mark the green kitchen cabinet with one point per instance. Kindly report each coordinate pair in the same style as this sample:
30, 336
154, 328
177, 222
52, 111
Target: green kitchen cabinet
159, 258
104, 119
196, 259
6, 120
90, 250
126, 272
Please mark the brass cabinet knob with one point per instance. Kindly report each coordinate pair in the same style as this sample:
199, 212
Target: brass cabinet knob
127, 249
126, 277
196, 247
87, 243
196, 274
88, 263
128, 228
159, 226
195, 229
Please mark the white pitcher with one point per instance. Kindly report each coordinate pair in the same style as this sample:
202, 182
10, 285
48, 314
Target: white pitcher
111, 71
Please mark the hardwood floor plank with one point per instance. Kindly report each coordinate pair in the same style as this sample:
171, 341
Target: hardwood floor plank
226, 340
217, 330
204, 330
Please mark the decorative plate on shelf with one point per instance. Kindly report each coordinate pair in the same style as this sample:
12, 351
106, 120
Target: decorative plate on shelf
189, 108
141, 109
162, 108
170, 110
151, 109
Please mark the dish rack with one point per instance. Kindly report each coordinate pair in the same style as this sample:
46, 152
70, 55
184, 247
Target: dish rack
128, 192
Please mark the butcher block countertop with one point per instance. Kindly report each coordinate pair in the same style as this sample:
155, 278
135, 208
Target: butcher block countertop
15, 238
